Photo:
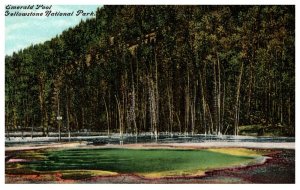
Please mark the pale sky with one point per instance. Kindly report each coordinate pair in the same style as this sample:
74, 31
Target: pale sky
22, 31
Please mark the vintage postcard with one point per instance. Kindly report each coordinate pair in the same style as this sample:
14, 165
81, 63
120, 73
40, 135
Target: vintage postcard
152, 94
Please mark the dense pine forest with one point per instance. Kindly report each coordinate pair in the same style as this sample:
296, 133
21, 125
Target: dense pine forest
159, 69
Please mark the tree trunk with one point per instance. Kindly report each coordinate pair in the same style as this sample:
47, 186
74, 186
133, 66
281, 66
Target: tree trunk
59, 121
219, 98
82, 118
281, 107
250, 91
133, 113
289, 111
237, 102
132, 102
193, 117
42, 105
150, 93
7, 122
156, 97
153, 108
223, 106
120, 120
203, 103
68, 113
107, 116
210, 129
215, 101
170, 106
32, 126
179, 123
187, 106
76, 122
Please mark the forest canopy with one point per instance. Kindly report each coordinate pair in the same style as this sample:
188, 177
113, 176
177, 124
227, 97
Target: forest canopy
136, 69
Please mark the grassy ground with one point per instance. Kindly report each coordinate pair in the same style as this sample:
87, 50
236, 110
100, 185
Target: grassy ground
260, 130
78, 164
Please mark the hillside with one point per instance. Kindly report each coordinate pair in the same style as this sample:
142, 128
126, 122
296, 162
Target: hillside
134, 69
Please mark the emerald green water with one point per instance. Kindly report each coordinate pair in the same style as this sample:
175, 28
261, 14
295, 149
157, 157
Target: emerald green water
134, 160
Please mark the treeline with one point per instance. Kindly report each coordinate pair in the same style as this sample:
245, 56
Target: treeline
134, 69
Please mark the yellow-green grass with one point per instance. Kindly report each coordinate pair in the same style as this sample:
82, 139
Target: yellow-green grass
238, 151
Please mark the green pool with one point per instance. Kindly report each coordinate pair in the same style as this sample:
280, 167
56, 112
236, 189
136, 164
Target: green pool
144, 162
